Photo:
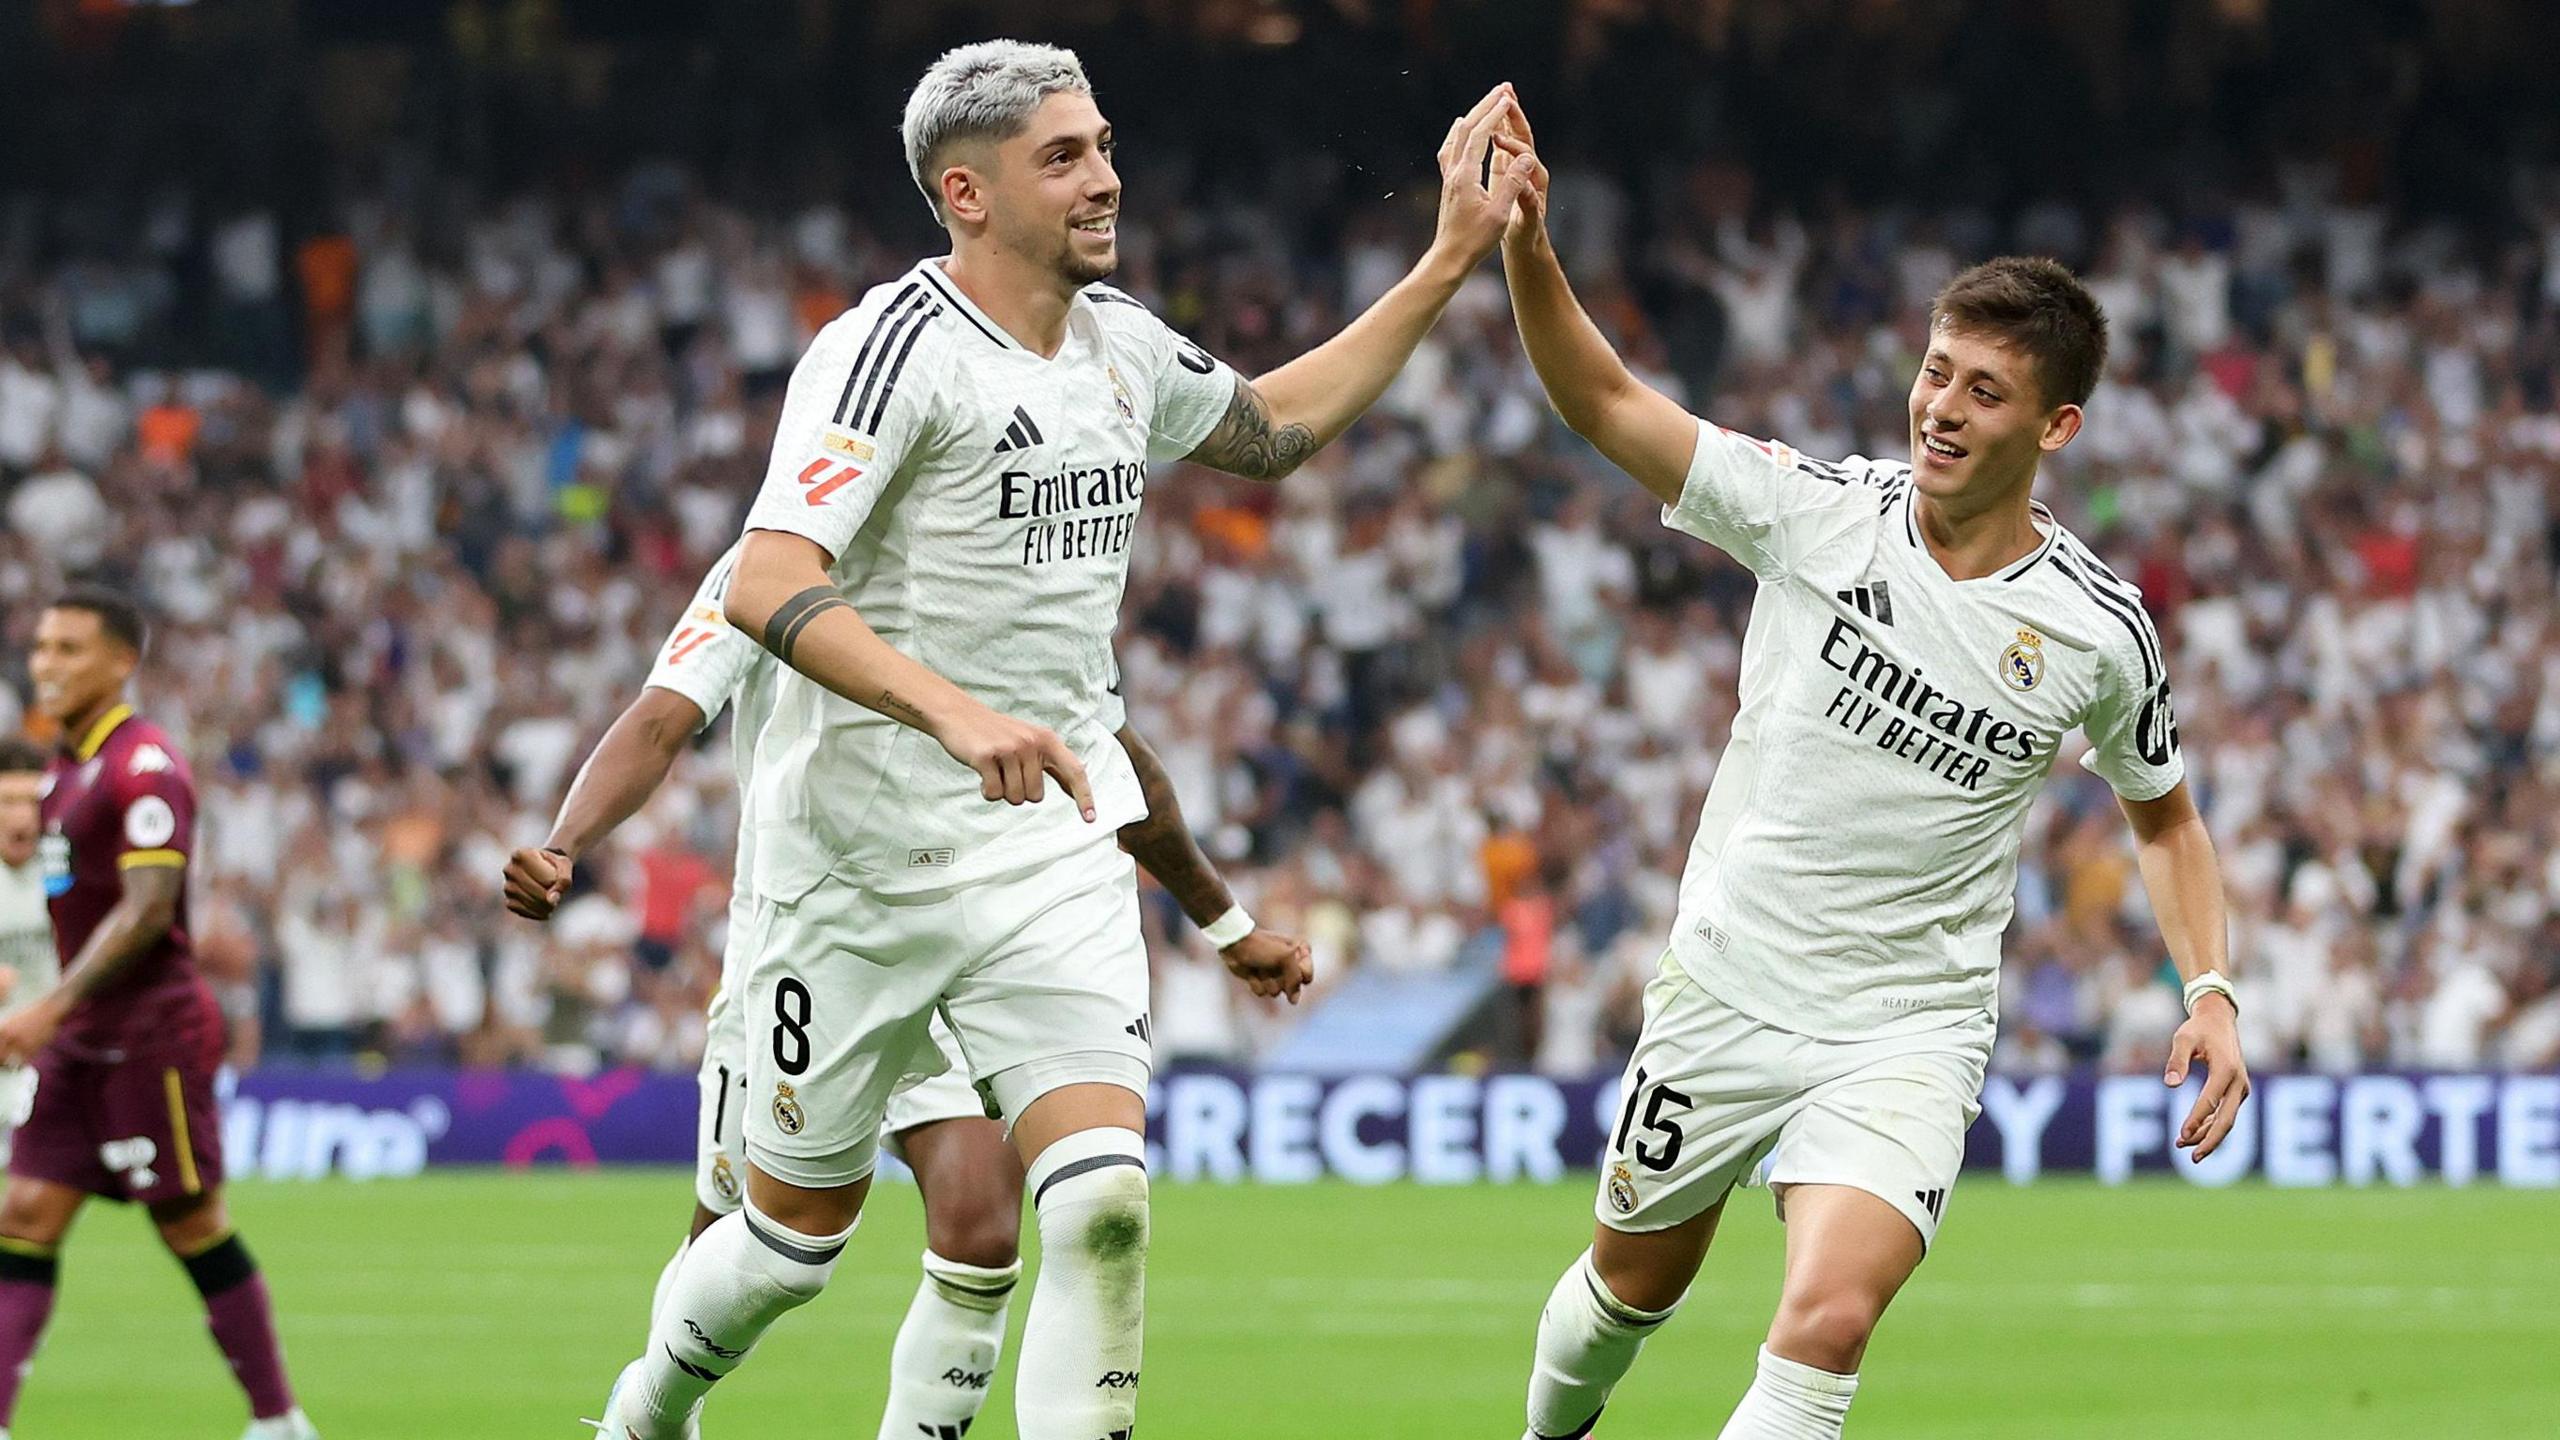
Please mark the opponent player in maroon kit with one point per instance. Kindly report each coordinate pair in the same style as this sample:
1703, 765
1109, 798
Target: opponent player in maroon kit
126, 1043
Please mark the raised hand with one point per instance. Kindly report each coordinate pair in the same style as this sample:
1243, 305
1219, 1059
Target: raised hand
1514, 138
1473, 213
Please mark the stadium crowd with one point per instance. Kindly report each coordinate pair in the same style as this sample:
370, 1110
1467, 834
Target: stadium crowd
1449, 695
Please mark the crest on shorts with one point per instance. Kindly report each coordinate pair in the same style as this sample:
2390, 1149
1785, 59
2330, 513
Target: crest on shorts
787, 1114
1622, 1190
2022, 664
724, 1179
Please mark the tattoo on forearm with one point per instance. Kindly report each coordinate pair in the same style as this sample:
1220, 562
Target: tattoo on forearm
782, 632
1247, 443
890, 704
1164, 846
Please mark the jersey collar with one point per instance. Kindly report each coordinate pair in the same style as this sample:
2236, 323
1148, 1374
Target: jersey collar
2044, 523
941, 284
98, 733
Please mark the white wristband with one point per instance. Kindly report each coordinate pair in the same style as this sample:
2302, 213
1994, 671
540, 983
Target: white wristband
2210, 982
1229, 928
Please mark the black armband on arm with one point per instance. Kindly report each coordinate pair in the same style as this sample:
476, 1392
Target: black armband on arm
782, 632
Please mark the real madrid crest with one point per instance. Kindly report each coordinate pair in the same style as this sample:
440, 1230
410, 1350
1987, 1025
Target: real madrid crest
2022, 664
1120, 395
724, 1178
787, 1115
1622, 1190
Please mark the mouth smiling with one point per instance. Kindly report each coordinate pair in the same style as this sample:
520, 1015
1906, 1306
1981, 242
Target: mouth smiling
1104, 226
1941, 449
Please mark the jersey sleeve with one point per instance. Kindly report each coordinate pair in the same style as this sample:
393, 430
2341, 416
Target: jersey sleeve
1191, 388
155, 809
705, 658
1764, 504
2132, 724
857, 410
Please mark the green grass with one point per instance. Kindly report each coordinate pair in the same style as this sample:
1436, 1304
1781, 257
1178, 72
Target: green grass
490, 1306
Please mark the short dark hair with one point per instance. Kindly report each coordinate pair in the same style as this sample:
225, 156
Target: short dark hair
18, 755
116, 611
2041, 308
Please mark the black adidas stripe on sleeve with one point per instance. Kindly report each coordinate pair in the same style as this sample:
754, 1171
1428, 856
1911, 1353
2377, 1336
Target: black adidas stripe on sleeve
866, 360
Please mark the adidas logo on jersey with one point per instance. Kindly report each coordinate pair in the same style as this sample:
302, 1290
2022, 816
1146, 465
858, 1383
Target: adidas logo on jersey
1140, 1027
1933, 1201
1022, 434
1872, 601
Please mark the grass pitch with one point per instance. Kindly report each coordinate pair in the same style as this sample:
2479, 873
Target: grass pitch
495, 1306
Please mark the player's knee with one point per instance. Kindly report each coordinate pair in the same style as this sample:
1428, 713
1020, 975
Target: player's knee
973, 1208
33, 1214
1090, 1189
976, 1231
793, 1262
1828, 1330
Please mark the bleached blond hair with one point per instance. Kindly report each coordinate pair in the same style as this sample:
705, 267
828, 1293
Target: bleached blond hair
985, 91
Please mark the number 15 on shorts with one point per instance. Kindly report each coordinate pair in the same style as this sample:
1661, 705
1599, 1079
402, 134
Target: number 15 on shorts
1657, 1135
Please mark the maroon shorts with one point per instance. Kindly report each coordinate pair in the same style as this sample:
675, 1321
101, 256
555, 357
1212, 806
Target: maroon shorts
138, 1130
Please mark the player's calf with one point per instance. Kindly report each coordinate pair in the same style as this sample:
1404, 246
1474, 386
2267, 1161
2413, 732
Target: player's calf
1588, 1338
1085, 1336
746, 1271
238, 1310
953, 1337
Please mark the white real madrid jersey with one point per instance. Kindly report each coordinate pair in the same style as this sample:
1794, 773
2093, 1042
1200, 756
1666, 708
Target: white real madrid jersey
712, 663
26, 932
977, 502
1856, 860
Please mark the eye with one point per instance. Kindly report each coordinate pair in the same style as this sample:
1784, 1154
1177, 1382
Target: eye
1936, 375
1985, 396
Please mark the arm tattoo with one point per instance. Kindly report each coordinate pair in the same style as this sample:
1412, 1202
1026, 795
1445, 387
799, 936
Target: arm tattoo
1163, 844
1246, 443
890, 704
782, 632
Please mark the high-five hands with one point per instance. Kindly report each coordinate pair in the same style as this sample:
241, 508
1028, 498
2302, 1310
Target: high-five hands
1484, 167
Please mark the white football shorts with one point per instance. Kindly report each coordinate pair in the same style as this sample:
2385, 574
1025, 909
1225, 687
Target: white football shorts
1041, 978
1713, 1098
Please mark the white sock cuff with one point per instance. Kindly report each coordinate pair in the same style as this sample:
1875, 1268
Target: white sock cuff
1780, 1369
1086, 1152
1612, 1308
975, 1287
816, 1251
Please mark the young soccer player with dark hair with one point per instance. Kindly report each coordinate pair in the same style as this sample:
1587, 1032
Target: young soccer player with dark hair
125, 1044
1923, 638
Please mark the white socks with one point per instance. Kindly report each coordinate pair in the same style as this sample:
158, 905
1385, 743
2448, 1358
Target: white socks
1078, 1376
733, 1281
1789, 1401
1587, 1338
947, 1350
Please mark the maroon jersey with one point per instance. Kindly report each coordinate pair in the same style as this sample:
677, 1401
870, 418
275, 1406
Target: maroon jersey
120, 800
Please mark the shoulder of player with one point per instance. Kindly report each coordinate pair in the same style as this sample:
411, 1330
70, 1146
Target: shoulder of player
140, 750
1117, 309
2105, 603
895, 340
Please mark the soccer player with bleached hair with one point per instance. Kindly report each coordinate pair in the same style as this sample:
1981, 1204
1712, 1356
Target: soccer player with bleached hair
1923, 637
971, 1181
937, 558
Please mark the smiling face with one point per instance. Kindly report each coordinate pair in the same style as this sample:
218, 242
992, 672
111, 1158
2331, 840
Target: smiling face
1979, 419
1048, 195
77, 664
